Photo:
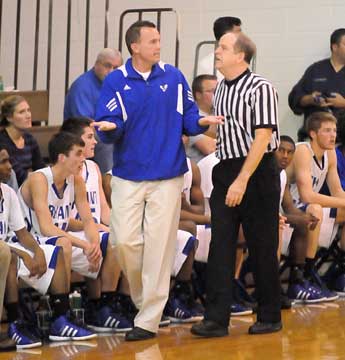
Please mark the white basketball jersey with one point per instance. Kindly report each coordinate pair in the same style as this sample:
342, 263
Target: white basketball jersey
59, 206
11, 218
90, 176
187, 181
206, 167
283, 180
318, 174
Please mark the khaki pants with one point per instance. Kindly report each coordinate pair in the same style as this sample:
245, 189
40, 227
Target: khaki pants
5, 259
144, 223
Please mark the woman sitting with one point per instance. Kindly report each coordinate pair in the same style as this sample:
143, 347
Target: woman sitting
25, 155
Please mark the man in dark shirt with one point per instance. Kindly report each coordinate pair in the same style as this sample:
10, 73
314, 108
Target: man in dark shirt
322, 86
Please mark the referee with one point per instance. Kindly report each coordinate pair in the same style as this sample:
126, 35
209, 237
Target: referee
246, 190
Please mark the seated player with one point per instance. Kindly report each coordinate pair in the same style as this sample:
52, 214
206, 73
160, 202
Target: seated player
40, 266
47, 198
301, 228
314, 163
83, 128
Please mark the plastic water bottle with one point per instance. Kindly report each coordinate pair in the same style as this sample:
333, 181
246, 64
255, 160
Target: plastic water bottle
75, 300
44, 314
76, 309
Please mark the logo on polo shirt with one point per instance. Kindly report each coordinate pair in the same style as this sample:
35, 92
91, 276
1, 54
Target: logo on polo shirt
164, 87
127, 87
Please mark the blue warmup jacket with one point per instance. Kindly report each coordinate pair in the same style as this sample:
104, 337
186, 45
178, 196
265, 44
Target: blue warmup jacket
82, 96
151, 117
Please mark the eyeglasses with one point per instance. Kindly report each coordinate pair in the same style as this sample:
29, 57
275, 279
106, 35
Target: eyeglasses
109, 66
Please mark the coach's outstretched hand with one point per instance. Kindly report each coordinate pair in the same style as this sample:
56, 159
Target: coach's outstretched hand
104, 125
211, 120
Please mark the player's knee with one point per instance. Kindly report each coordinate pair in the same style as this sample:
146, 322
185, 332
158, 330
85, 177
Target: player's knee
189, 226
66, 244
316, 210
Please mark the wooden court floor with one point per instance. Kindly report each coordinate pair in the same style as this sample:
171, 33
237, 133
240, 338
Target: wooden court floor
310, 332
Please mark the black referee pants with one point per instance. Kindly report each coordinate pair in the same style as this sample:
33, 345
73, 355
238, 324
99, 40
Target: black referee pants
259, 215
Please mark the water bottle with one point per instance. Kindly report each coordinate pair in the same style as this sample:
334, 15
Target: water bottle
1, 84
44, 314
76, 307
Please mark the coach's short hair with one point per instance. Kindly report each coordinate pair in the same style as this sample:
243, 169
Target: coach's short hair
133, 32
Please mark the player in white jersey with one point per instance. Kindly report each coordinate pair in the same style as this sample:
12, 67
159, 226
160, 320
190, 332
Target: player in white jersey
40, 266
301, 226
312, 163
83, 128
47, 197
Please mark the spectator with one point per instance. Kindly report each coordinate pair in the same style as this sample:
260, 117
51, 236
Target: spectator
83, 94
322, 87
203, 88
25, 155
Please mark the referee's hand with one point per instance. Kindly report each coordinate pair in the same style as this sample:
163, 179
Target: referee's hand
235, 193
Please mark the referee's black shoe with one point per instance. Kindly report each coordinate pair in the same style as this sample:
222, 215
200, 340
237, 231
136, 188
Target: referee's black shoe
209, 328
264, 327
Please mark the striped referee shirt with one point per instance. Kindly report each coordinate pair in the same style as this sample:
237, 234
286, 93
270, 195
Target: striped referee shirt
247, 103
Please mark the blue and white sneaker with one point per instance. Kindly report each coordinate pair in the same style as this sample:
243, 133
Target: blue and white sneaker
105, 320
164, 321
62, 329
239, 310
329, 295
178, 312
305, 293
24, 339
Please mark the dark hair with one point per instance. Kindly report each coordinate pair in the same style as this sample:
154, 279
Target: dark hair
8, 106
245, 44
197, 82
341, 127
315, 120
224, 25
336, 36
76, 125
288, 139
62, 143
133, 32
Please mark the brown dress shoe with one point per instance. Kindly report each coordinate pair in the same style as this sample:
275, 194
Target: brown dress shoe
6, 344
